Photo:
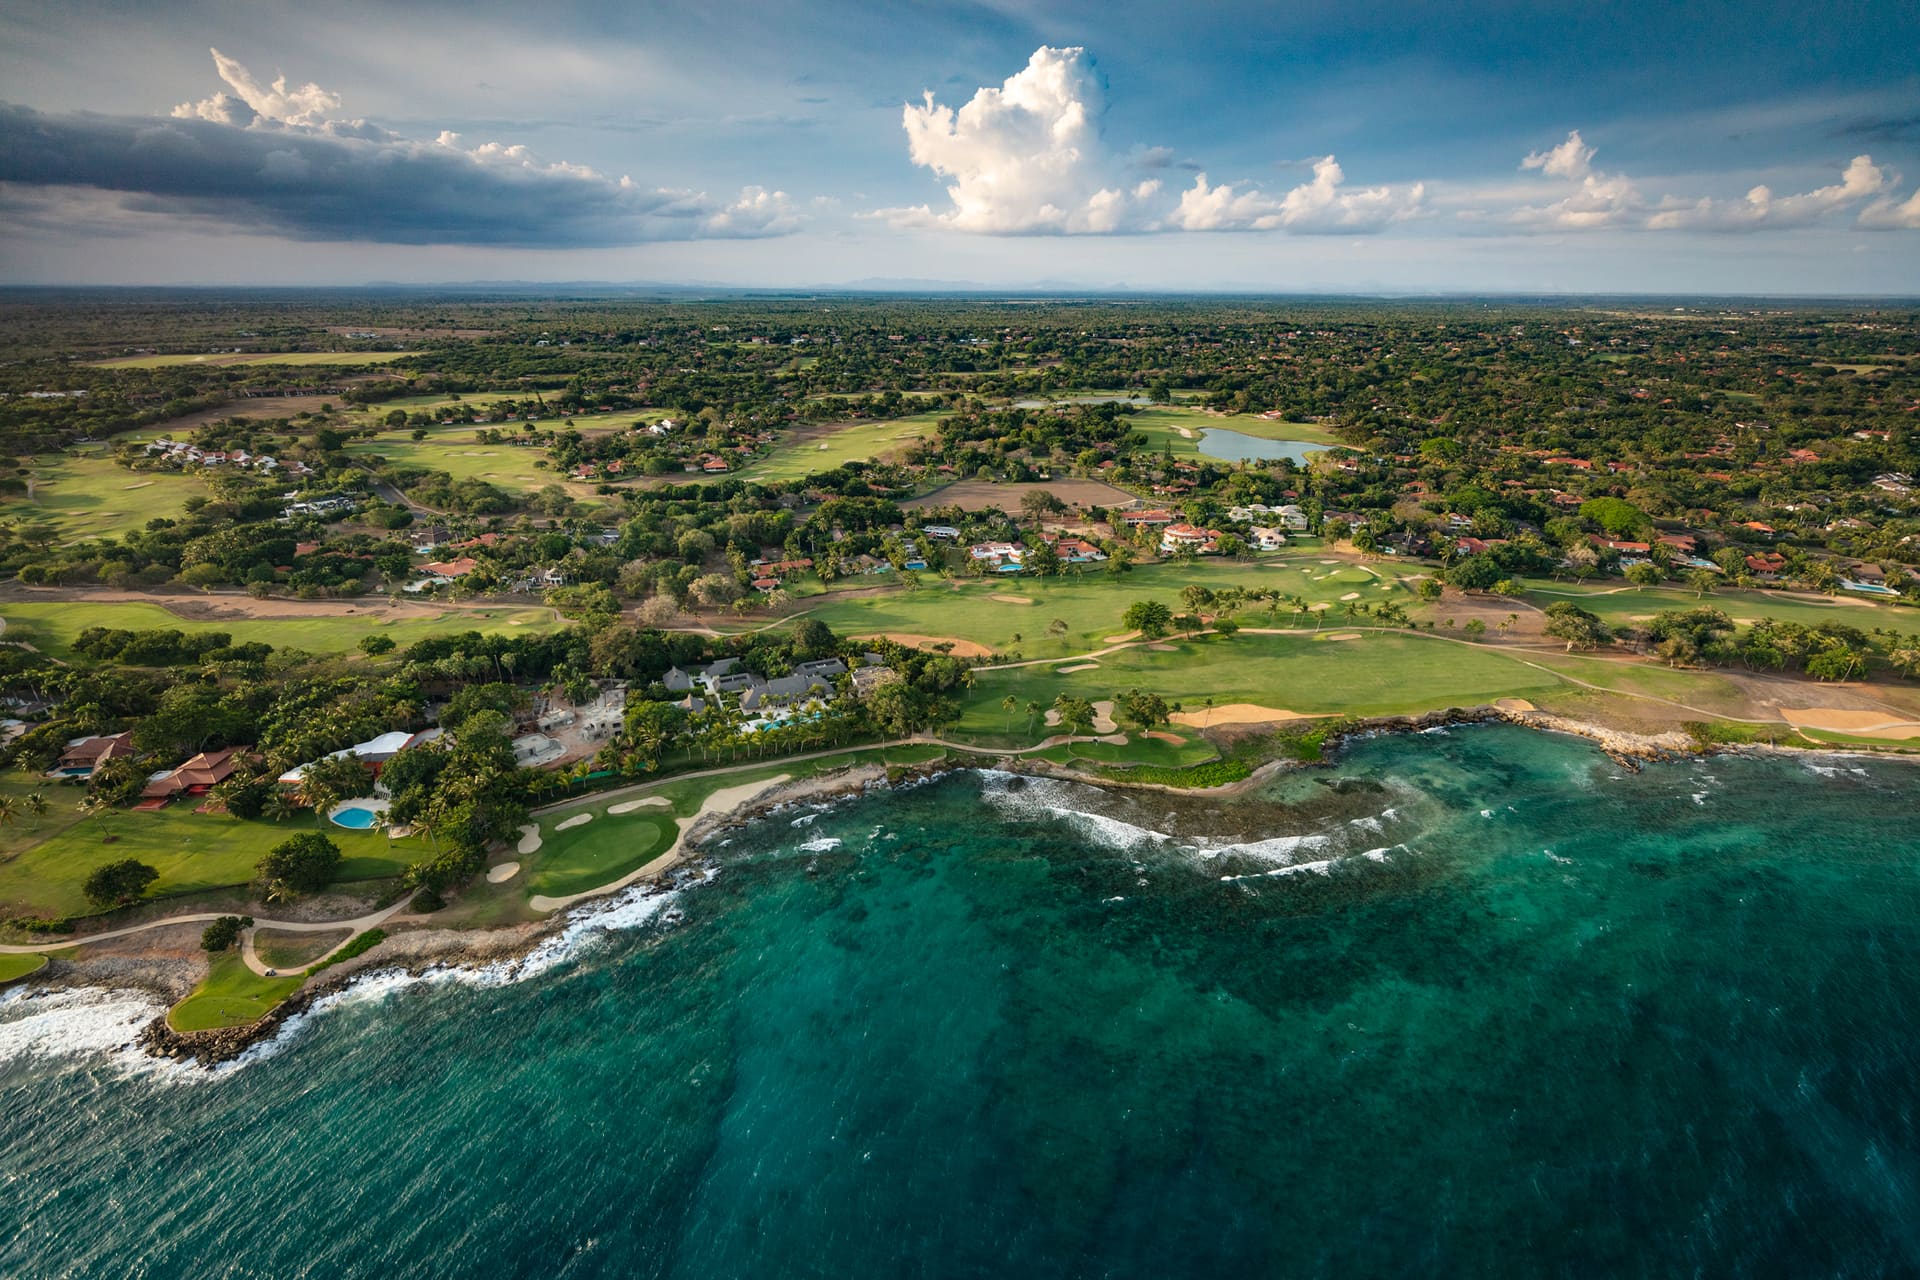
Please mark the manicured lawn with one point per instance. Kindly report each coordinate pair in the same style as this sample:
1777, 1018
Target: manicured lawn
268, 357
455, 451
1092, 604
89, 495
231, 996
1377, 674
1622, 606
612, 845
15, 967
856, 442
193, 852
52, 626
600, 852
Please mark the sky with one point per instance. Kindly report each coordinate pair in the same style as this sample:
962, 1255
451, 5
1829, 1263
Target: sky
1375, 146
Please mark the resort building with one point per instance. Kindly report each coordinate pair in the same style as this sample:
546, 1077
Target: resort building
84, 755
196, 777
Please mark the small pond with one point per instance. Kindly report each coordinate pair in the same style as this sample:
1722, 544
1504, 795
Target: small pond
1237, 446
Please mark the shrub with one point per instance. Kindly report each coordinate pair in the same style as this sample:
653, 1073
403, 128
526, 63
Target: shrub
358, 947
298, 865
119, 882
427, 901
1215, 773
224, 932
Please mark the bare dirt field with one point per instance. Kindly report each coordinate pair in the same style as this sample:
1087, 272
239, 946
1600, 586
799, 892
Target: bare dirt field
251, 407
1865, 724
980, 495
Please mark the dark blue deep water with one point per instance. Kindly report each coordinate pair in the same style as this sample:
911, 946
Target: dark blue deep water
1475, 1003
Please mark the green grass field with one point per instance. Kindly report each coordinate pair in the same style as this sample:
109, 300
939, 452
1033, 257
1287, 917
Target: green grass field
52, 626
15, 967
1377, 674
89, 495
265, 357
600, 852
1092, 604
455, 451
232, 995
193, 852
856, 442
1622, 606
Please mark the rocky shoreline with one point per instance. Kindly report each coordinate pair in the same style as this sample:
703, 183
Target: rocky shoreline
416, 950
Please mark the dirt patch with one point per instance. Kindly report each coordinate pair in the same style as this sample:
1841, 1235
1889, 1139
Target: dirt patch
1012, 599
1163, 736
1122, 639
1514, 704
913, 640
1159, 647
1864, 724
1235, 713
982, 495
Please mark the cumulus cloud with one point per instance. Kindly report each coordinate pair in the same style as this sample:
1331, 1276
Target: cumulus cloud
1324, 205
1891, 214
1571, 159
279, 159
1601, 200
1023, 158
1027, 158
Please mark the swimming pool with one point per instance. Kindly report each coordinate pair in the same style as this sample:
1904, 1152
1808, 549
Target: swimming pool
356, 815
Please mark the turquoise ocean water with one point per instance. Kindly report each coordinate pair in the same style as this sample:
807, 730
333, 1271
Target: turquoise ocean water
1472, 1003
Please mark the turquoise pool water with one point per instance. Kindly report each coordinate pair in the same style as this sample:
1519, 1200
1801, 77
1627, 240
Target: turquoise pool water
355, 818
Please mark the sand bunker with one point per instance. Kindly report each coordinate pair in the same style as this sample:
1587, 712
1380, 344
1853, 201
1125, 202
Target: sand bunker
913, 640
1082, 666
1123, 638
1012, 599
529, 839
1514, 704
140, 485
577, 820
1340, 635
502, 873
1351, 595
1863, 724
1161, 647
1235, 713
1163, 736
628, 806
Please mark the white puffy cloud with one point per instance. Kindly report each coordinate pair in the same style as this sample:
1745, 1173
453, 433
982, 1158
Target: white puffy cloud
1324, 204
280, 159
1601, 200
1761, 207
1022, 158
1892, 214
1571, 159
1026, 158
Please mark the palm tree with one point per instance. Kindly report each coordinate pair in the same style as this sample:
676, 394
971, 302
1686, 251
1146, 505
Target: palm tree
37, 806
1009, 704
7, 811
97, 808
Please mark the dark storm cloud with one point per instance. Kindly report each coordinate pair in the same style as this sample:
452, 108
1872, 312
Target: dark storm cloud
324, 184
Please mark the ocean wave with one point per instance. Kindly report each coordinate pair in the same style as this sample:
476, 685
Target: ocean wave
85, 1022
1042, 798
822, 844
1273, 848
